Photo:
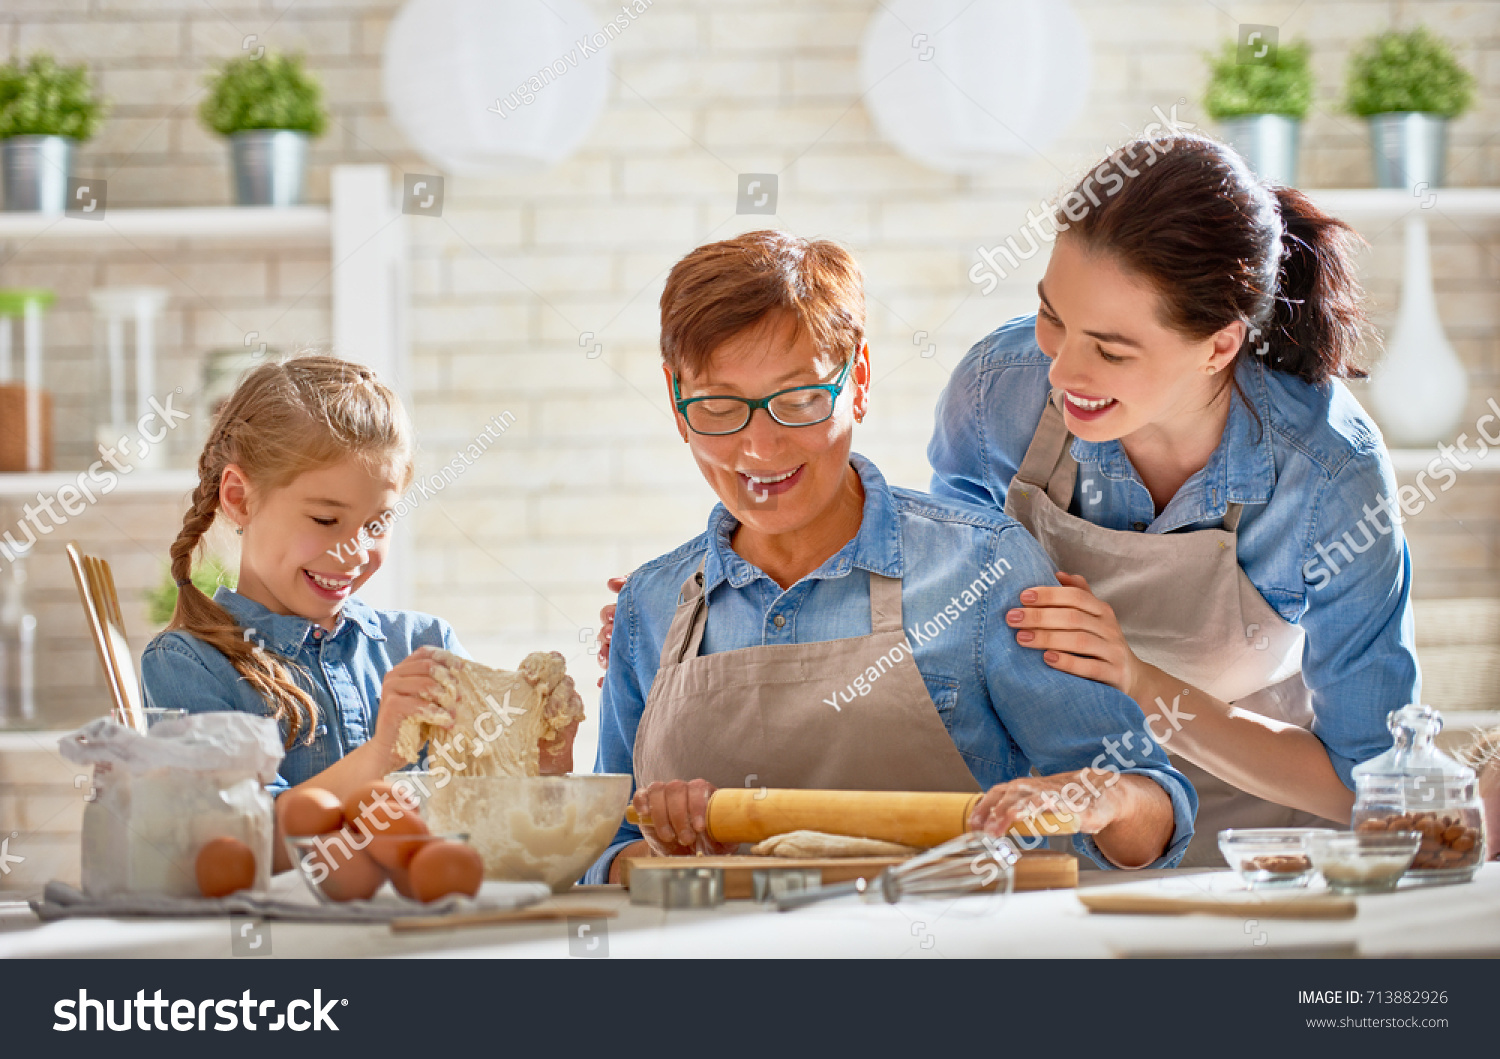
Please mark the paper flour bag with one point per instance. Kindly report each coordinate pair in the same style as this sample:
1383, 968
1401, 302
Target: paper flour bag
158, 798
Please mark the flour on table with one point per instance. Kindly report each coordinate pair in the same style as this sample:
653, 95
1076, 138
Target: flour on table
500, 716
806, 844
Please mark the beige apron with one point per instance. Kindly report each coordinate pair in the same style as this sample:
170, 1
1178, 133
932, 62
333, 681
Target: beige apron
758, 717
1184, 606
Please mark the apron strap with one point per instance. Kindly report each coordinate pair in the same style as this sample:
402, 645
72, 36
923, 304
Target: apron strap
885, 603
685, 634
1232, 516
1048, 463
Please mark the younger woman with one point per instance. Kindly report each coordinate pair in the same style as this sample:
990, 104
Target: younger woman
1172, 425
307, 460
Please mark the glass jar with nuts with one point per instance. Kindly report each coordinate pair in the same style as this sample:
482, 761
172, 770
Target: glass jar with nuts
1414, 787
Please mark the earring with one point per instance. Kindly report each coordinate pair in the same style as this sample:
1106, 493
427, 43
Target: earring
239, 531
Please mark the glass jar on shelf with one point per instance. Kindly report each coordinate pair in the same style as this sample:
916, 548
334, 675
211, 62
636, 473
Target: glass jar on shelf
25, 405
1416, 787
125, 330
17, 645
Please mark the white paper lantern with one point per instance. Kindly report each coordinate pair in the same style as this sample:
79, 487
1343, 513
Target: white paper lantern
961, 84
489, 87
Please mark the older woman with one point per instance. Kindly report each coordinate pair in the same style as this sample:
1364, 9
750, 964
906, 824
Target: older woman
770, 649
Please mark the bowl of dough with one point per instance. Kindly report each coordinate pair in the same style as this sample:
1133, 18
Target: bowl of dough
529, 828
486, 776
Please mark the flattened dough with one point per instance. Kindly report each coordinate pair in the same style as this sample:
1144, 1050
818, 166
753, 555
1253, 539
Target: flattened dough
807, 844
500, 717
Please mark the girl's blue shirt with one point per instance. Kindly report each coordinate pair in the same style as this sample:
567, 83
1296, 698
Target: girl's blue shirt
343, 671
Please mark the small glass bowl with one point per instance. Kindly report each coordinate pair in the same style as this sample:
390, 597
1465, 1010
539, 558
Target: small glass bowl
1270, 857
1364, 862
319, 857
152, 715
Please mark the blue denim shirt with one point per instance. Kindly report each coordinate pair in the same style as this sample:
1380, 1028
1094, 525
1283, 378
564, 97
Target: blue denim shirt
1005, 708
180, 671
1314, 537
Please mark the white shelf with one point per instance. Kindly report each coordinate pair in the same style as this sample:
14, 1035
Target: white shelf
1392, 203
1410, 461
26, 486
192, 222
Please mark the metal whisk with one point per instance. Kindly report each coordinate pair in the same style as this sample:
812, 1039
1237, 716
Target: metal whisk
971, 862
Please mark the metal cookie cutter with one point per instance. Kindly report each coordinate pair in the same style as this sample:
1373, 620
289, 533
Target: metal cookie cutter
677, 887
772, 884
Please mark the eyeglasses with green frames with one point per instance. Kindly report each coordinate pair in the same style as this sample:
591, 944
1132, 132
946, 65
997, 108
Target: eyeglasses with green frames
800, 406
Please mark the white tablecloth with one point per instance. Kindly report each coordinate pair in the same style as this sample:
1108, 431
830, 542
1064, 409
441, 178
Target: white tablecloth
1447, 921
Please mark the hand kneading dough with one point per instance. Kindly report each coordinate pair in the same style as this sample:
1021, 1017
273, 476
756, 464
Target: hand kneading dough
500, 717
806, 844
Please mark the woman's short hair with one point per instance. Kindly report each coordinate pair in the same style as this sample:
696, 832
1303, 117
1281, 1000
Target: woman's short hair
724, 288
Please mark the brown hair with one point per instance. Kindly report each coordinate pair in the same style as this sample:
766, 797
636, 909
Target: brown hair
723, 288
282, 420
1219, 246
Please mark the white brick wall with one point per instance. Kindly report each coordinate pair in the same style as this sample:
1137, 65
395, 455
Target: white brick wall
591, 480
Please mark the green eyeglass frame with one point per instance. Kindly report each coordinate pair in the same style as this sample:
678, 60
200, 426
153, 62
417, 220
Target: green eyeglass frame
833, 389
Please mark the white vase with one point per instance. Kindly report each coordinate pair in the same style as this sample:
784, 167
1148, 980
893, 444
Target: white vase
1419, 389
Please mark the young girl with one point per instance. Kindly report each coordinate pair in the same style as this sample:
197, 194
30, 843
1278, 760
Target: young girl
307, 460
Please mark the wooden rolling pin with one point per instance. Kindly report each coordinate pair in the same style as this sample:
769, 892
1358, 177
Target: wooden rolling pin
912, 818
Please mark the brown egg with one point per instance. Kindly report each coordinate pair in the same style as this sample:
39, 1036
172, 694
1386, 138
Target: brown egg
401, 880
396, 847
445, 867
379, 810
223, 866
310, 811
348, 874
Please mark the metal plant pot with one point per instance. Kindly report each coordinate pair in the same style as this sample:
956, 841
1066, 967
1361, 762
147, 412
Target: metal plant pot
270, 167
35, 170
1409, 148
1268, 143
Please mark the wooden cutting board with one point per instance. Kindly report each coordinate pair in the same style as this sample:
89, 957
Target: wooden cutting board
1133, 900
1040, 870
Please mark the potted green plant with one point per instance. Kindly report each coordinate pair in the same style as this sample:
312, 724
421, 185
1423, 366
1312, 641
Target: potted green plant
1259, 97
1408, 86
45, 110
161, 602
269, 107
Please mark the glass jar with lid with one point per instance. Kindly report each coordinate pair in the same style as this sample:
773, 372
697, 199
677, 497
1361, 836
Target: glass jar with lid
1414, 786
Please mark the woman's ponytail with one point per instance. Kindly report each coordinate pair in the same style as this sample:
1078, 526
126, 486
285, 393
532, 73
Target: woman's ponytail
1314, 329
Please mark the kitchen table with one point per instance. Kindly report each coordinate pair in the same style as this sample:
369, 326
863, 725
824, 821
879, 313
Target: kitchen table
1439, 921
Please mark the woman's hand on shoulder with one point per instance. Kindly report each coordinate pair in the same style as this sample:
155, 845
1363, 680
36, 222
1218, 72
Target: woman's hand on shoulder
1077, 632
674, 818
607, 624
